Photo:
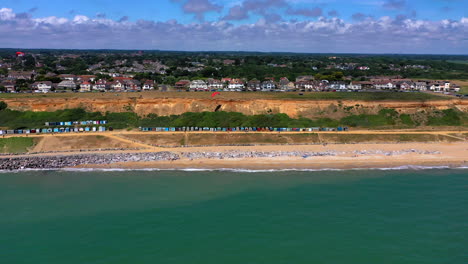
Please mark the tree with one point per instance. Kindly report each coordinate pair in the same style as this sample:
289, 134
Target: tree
2, 89
3, 105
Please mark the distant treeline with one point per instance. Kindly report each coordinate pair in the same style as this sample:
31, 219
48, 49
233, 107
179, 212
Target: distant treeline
385, 118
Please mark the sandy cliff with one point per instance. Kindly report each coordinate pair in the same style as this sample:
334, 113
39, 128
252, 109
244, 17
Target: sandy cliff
174, 106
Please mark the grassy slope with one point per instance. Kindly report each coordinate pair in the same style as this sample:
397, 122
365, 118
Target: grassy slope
195, 139
16, 144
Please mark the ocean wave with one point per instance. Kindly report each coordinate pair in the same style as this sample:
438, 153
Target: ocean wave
240, 170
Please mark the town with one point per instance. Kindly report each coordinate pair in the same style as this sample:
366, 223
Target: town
40, 71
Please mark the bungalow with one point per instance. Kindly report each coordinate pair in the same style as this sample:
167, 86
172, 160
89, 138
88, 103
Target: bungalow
67, 85
86, 86
198, 85
355, 86
10, 86
384, 85
182, 84
42, 87
405, 85
148, 85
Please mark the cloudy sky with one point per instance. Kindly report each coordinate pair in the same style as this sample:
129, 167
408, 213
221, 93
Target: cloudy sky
342, 26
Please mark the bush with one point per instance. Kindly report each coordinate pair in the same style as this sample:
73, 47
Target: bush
3, 105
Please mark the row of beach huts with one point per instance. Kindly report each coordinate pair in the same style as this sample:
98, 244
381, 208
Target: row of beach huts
54, 130
77, 123
241, 129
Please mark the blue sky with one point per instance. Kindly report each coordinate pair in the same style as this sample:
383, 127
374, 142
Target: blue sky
374, 26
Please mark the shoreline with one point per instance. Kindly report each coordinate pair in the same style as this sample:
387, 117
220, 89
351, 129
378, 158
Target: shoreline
258, 158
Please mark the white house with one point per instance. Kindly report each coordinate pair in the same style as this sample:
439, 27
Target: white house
198, 85
42, 87
86, 86
236, 85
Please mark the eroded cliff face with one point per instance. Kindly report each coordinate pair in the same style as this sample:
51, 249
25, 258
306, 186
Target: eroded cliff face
176, 106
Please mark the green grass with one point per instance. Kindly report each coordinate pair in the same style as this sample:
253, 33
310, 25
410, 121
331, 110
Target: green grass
16, 144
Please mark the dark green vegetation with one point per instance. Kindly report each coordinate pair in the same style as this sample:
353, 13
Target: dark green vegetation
385, 118
16, 144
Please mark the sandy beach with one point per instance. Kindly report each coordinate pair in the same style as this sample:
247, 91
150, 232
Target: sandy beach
348, 156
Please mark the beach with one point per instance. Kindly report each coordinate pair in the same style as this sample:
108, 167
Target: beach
272, 157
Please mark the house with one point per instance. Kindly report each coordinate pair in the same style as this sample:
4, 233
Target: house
420, 86
69, 77
214, 84
132, 85
86, 86
67, 85
355, 86
198, 85
285, 85
89, 78
405, 85
337, 86
42, 87
236, 85
148, 85
100, 85
21, 75
268, 86
117, 85
10, 86
384, 85
254, 85
182, 84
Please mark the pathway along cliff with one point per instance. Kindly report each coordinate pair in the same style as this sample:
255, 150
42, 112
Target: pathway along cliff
177, 106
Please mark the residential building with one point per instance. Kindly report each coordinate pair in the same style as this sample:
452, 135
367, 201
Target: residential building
100, 85
182, 84
236, 85
86, 86
67, 85
148, 85
198, 85
214, 84
254, 85
42, 87
268, 86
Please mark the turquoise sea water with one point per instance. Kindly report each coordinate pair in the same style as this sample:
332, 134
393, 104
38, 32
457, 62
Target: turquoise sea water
405, 216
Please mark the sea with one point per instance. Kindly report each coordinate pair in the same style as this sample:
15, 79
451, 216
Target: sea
357, 216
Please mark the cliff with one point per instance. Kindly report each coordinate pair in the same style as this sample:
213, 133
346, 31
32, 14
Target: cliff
175, 106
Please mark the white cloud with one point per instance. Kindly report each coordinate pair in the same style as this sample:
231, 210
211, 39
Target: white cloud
380, 35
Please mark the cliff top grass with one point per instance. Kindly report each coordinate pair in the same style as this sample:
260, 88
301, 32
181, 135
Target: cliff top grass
359, 96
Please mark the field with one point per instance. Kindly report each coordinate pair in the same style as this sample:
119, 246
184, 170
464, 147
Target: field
204, 139
80, 142
17, 144
364, 96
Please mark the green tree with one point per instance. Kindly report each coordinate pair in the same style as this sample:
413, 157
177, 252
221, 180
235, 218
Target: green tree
3, 105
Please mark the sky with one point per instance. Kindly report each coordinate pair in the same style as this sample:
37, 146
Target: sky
315, 26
